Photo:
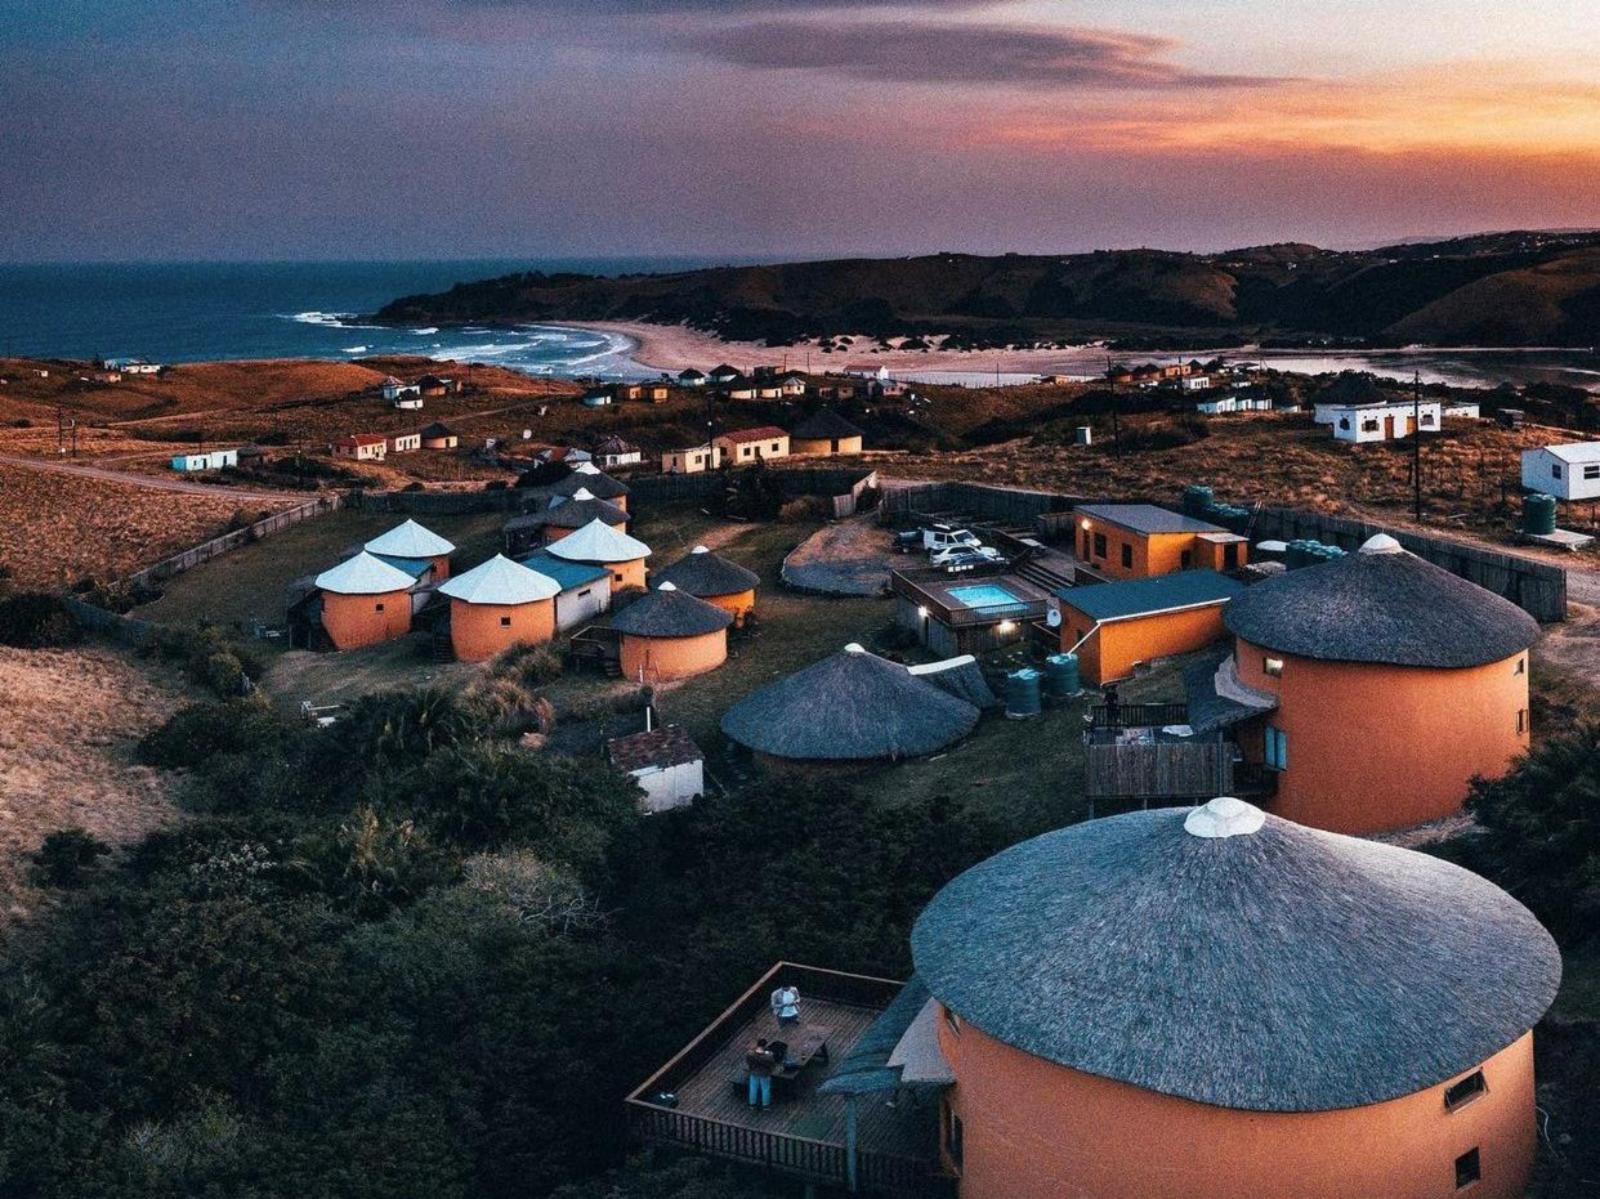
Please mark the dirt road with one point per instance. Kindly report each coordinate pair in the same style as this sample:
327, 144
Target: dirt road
153, 482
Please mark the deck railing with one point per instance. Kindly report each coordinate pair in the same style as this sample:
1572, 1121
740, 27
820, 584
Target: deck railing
802, 1157
1137, 716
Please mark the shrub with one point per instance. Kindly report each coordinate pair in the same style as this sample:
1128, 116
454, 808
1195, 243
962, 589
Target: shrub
66, 857
34, 620
196, 733
527, 665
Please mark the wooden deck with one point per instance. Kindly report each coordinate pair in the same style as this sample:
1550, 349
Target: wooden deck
803, 1133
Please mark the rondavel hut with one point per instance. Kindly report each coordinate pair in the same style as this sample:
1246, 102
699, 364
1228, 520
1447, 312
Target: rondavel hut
668, 634
497, 605
414, 549
715, 579
363, 601
598, 544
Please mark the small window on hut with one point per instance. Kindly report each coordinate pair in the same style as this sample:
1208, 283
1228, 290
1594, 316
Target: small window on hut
1522, 666
377, 607
951, 1020
505, 622
1127, 555
1459, 1094
1468, 1169
1555, 470
1522, 720
952, 1136
1272, 666
1099, 545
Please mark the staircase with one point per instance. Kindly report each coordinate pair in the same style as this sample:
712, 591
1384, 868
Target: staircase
440, 647
1042, 573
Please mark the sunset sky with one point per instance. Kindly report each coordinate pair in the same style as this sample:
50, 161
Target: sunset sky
448, 128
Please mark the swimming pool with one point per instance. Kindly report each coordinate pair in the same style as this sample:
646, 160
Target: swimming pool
983, 595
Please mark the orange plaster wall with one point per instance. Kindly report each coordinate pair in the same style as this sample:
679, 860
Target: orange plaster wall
1211, 556
441, 568
352, 621
1036, 1130
1375, 747
739, 605
663, 659
476, 632
1116, 647
823, 446
1153, 553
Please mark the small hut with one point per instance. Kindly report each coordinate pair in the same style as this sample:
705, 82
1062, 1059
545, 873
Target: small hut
409, 544
564, 515
364, 601
601, 545
497, 605
439, 436
586, 476
668, 634
849, 708
823, 433
714, 579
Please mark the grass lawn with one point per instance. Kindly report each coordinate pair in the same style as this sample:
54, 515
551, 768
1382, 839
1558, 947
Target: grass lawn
248, 584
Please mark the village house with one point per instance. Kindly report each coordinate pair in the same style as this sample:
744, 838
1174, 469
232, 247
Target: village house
666, 763
740, 389
585, 588
589, 478
1115, 627
1569, 472
415, 549
825, 433
724, 374
691, 460
131, 366
668, 634
362, 447
745, 446
437, 385
1384, 422
597, 397
715, 579
792, 385
569, 454
599, 544
691, 378
361, 601
499, 604
1135, 541
438, 436
404, 443
614, 451
204, 460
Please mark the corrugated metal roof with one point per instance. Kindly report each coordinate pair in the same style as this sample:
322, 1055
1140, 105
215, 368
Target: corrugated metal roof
599, 542
500, 581
365, 574
410, 540
1575, 451
1143, 597
1147, 518
569, 575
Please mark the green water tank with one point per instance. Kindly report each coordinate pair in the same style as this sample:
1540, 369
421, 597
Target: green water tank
1196, 499
1022, 694
1061, 676
1538, 513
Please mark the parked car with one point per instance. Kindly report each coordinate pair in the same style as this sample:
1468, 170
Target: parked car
965, 557
936, 537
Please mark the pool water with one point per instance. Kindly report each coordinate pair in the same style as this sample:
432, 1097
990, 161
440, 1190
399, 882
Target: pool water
983, 595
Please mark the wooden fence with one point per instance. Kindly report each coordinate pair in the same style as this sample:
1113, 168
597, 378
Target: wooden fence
1165, 770
841, 485
204, 552
1002, 505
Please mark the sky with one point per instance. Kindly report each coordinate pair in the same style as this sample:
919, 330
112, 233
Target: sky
361, 129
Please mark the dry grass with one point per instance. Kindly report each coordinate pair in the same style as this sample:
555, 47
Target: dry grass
68, 720
58, 528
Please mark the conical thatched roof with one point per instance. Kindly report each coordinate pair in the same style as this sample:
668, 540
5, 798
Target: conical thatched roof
852, 706
599, 542
364, 574
589, 477
1236, 959
825, 423
410, 540
668, 612
500, 581
580, 509
1383, 605
702, 573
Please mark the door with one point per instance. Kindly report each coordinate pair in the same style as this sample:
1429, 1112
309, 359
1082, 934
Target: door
1230, 556
1388, 428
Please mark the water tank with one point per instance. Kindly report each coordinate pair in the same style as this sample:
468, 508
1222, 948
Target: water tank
1022, 694
1061, 676
1196, 499
1538, 513
1298, 554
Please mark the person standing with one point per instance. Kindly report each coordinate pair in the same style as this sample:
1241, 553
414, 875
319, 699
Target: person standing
786, 1004
760, 1063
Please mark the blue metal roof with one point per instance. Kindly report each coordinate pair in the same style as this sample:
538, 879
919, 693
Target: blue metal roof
1140, 597
567, 574
415, 567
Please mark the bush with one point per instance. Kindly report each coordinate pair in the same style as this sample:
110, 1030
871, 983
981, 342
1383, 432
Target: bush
34, 620
527, 665
66, 857
195, 734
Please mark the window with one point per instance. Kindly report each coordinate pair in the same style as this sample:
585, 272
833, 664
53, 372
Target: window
1099, 545
1369, 426
1555, 470
1591, 470
505, 622
951, 1020
1461, 1093
952, 1135
1277, 748
1272, 666
1522, 720
1127, 555
1468, 1169
377, 607
1344, 422
1522, 666
1427, 418
1186, 559
585, 592
774, 447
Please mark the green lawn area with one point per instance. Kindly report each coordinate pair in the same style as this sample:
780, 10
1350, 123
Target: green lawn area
248, 584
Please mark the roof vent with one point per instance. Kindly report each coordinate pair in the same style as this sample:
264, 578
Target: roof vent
1381, 543
586, 468
583, 493
1224, 816
700, 549
855, 647
667, 587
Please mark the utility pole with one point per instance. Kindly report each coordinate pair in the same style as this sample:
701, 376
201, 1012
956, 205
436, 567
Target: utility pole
1416, 445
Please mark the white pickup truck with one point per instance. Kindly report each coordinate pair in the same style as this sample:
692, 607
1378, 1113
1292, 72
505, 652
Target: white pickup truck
934, 538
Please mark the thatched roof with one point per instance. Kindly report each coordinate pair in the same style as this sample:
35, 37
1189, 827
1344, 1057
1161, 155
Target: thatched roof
589, 477
668, 612
702, 573
1237, 959
1383, 605
851, 706
961, 677
579, 510
1217, 698
825, 424
1352, 389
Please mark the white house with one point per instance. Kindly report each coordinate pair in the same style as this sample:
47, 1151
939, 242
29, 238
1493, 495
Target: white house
1218, 404
585, 588
1462, 409
132, 366
691, 460
1195, 383
1383, 422
1568, 472
614, 451
665, 762
596, 397
205, 460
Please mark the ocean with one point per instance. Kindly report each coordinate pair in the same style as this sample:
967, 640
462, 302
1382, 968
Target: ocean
188, 312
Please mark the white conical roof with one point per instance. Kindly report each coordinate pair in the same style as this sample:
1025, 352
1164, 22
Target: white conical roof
598, 542
586, 468
410, 540
500, 581
364, 575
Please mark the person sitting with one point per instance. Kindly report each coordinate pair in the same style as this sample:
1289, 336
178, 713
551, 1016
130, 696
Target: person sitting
760, 1063
786, 1004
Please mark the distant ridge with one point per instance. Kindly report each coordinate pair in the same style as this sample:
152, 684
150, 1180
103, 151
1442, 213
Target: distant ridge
1514, 288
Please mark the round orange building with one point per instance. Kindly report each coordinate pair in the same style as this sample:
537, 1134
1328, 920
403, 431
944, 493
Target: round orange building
364, 601
409, 542
1219, 1004
598, 544
497, 605
667, 634
714, 579
1386, 684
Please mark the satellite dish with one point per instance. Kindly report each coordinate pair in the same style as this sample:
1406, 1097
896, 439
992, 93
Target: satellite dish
527, 434
1052, 617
